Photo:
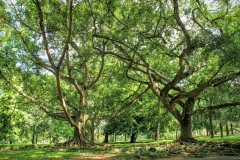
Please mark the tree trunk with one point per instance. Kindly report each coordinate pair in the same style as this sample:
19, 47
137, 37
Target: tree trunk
158, 131
231, 126
33, 135
211, 125
185, 120
105, 138
133, 138
79, 138
186, 130
36, 139
92, 130
206, 131
221, 129
227, 130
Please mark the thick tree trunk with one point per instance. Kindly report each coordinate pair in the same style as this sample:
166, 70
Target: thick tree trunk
186, 129
185, 120
79, 138
133, 138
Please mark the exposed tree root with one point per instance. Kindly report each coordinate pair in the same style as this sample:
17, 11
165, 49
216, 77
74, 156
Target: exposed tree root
188, 140
76, 142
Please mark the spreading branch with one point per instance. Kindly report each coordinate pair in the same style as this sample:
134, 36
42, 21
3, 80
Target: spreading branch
225, 105
125, 107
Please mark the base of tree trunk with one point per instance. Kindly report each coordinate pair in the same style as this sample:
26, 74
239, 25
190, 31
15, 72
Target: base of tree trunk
76, 142
188, 140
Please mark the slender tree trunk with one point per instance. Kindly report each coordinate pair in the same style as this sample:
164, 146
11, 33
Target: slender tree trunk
227, 130
92, 130
231, 126
158, 131
211, 125
207, 130
36, 139
125, 137
115, 137
33, 137
177, 133
133, 138
221, 129
33, 134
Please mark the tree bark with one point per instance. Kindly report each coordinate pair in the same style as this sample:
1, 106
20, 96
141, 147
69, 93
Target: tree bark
186, 130
158, 131
133, 138
207, 131
92, 130
211, 125
33, 135
221, 129
231, 126
79, 138
105, 138
186, 122
227, 130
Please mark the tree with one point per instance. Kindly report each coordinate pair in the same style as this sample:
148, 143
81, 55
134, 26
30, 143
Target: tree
179, 49
55, 66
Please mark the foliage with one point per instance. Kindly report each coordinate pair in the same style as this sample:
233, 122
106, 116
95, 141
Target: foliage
88, 60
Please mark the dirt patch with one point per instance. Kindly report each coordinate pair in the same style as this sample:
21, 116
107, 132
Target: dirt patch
91, 156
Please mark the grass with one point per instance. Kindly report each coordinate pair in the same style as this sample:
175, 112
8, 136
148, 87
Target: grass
40, 152
218, 138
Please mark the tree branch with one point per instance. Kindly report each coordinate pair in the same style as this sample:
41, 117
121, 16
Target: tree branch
125, 107
225, 105
68, 36
35, 101
45, 41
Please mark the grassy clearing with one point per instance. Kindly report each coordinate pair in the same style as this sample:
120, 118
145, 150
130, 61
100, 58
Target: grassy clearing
49, 153
127, 150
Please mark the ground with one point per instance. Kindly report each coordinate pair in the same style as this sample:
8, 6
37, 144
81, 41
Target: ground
202, 150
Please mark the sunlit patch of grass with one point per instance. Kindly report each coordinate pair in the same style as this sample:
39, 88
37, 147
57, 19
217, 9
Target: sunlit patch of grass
38, 154
218, 138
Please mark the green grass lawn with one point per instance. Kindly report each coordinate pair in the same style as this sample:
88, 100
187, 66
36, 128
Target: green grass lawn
218, 138
40, 152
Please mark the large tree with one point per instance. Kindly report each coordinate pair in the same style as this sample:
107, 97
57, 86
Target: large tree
178, 48
49, 59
